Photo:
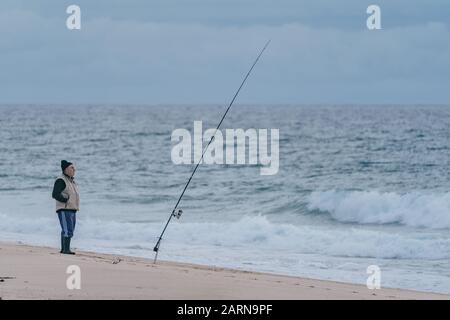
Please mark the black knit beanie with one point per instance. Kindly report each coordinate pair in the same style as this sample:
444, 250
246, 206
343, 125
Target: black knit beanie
65, 164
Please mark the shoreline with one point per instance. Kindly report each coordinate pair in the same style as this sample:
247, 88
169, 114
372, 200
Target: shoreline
33, 272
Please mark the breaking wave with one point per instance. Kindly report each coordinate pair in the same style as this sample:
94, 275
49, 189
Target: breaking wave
372, 207
249, 234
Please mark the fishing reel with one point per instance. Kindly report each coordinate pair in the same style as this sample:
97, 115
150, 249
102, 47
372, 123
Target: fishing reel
177, 214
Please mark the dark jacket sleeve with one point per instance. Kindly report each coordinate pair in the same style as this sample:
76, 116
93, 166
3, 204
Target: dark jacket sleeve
60, 185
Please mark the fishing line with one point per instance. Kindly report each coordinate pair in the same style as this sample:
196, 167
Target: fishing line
177, 212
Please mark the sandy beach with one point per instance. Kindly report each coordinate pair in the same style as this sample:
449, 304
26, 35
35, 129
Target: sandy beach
30, 272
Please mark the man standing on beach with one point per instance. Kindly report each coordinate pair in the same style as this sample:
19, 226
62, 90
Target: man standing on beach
65, 192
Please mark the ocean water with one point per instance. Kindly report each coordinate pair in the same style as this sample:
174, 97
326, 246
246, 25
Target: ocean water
357, 186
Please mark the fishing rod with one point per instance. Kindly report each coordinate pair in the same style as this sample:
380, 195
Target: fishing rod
177, 213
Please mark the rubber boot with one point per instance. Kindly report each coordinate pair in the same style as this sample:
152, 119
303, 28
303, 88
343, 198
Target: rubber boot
62, 244
66, 249
68, 246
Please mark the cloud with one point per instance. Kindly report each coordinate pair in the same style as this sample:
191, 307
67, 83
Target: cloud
133, 61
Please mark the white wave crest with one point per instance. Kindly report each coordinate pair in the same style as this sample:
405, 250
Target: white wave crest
372, 207
250, 234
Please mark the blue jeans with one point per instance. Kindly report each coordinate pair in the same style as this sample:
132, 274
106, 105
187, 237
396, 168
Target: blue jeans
67, 219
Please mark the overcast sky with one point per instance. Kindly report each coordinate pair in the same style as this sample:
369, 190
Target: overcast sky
197, 51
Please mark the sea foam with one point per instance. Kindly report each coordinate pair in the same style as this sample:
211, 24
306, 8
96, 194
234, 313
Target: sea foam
413, 209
